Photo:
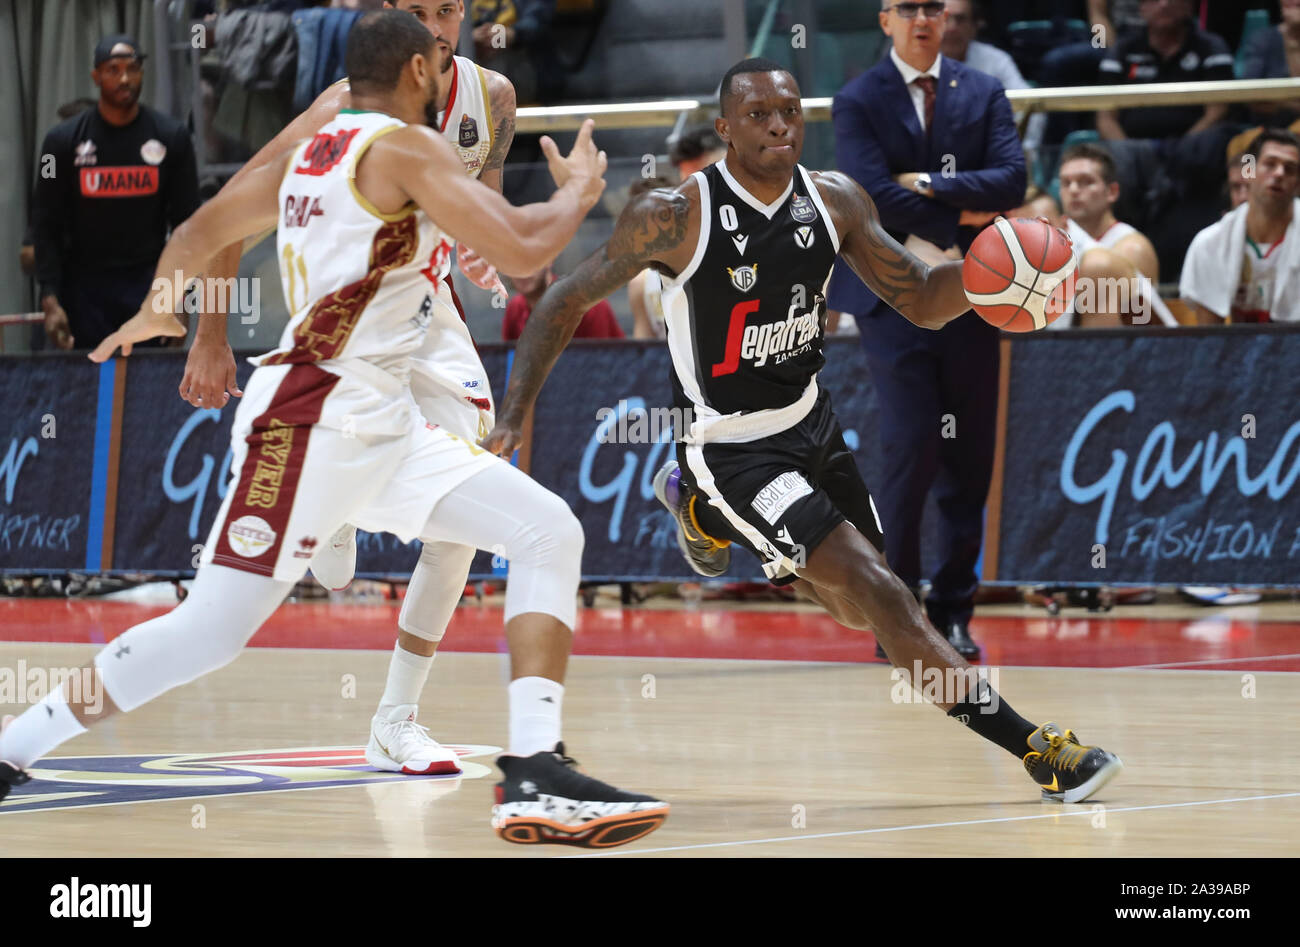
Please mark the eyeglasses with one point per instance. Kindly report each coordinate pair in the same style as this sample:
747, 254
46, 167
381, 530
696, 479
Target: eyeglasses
933, 9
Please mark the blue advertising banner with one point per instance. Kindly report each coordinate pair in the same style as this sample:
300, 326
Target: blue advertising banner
50, 463
1130, 458
1154, 458
174, 467
602, 429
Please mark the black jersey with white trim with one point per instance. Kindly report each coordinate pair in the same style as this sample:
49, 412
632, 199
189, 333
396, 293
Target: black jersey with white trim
746, 318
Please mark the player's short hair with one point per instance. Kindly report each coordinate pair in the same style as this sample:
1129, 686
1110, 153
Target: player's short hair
694, 143
725, 91
1279, 136
379, 47
1096, 153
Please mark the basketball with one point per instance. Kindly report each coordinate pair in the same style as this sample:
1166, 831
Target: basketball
1019, 274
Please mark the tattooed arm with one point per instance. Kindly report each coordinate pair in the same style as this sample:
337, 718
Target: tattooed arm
655, 227
930, 296
501, 108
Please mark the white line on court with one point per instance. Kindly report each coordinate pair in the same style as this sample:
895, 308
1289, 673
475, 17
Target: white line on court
1081, 809
1184, 664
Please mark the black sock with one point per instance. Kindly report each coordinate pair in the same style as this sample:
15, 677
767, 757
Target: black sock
992, 718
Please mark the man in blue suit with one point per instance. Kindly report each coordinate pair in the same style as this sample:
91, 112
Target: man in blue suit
934, 144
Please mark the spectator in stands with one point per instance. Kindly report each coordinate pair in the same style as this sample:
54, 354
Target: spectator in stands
696, 149
1274, 53
597, 323
1246, 267
1111, 253
934, 143
959, 43
110, 183
27, 252
1076, 64
1171, 49
514, 37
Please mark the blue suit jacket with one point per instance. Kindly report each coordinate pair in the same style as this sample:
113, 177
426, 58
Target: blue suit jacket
973, 155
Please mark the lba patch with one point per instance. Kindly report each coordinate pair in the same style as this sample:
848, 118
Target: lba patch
468, 132
802, 210
781, 494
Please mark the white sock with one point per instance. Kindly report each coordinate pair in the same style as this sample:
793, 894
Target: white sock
407, 673
39, 730
534, 715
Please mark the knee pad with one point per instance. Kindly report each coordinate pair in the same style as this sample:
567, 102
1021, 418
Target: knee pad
546, 563
436, 587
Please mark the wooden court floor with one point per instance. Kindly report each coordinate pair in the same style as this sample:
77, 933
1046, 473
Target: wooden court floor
759, 758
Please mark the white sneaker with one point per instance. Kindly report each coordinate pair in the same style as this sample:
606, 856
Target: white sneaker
400, 745
336, 564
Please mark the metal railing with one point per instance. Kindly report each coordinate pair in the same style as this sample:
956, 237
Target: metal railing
1073, 99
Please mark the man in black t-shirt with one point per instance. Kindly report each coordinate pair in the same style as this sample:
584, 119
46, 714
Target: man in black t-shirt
1172, 48
110, 183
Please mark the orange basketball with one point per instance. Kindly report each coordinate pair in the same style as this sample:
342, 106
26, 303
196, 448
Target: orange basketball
1019, 274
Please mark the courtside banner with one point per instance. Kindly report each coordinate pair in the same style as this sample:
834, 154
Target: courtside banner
49, 462
174, 466
603, 426
1153, 457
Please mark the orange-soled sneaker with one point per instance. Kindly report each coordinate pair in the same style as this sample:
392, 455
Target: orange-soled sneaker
544, 799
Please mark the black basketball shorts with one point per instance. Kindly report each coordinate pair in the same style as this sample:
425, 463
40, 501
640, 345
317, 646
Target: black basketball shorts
780, 496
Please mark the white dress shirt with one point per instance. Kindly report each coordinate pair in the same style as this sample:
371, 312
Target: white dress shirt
915, 91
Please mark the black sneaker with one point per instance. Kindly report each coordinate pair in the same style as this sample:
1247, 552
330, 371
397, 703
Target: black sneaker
706, 555
545, 799
10, 776
1065, 770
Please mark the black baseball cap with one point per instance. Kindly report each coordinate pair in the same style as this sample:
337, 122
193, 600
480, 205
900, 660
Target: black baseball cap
108, 48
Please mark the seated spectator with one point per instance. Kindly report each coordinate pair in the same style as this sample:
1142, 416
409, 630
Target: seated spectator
959, 43
1265, 56
598, 322
696, 149
1111, 253
1246, 267
1171, 49
514, 38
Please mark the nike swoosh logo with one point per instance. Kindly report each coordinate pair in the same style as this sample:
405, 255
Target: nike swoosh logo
1055, 787
740, 243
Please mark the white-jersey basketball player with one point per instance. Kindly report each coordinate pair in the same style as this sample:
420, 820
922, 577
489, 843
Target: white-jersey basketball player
328, 432
1112, 254
475, 113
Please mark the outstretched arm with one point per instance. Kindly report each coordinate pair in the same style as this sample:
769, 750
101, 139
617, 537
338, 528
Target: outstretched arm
242, 209
518, 241
930, 296
650, 229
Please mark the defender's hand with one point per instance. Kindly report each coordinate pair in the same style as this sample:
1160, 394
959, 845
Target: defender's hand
476, 269
584, 163
144, 325
209, 375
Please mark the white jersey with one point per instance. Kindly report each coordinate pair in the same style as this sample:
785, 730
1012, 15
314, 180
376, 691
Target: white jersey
1083, 242
447, 364
360, 284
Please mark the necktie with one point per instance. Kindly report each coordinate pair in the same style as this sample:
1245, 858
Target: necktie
927, 85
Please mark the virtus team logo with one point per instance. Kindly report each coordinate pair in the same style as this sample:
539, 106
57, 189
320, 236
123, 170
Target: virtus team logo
82, 781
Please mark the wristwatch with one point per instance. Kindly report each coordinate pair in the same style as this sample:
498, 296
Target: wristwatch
923, 185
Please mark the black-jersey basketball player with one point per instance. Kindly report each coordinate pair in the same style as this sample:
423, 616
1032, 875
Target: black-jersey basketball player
745, 248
